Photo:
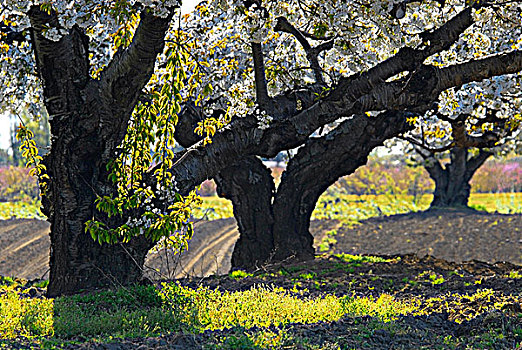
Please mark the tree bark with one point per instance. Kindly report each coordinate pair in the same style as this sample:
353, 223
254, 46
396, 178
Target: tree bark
274, 226
452, 188
250, 187
88, 119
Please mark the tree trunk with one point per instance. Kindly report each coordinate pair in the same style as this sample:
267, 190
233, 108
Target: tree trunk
250, 187
78, 173
77, 262
452, 188
274, 227
88, 120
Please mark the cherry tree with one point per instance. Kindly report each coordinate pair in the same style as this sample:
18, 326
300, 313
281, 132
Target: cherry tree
470, 127
122, 81
274, 224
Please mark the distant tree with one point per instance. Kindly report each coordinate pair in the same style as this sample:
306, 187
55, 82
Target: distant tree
332, 78
469, 142
5, 158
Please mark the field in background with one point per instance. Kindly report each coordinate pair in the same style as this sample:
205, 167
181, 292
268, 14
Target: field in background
353, 208
20, 210
343, 207
383, 187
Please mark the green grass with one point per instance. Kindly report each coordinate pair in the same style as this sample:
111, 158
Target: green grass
347, 208
20, 210
239, 274
213, 208
26, 317
505, 203
256, 318
352, 208
348, 258
147, 310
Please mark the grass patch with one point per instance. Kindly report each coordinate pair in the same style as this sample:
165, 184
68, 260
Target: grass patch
146, 310
129, 312
350, 209
258, 318
239, 274
24, 317
21, 210
351, 259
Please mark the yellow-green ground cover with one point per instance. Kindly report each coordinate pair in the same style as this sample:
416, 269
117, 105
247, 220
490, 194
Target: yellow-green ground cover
352, 208
264, 314
139, 311
342, 207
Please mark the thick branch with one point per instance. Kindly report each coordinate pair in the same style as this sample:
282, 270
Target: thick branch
460, 74
259, 73
352, 139
62, 65
433, 167
408, 59
476, 162
130, 70
428, 82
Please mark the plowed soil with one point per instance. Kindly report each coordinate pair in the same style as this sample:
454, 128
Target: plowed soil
441, 258
452, 235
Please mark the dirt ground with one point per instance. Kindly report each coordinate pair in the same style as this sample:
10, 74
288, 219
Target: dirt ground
453, 235
446, 234
441, 258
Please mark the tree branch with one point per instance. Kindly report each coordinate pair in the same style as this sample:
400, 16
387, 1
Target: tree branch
476, 162
129, 71
353, 95
427, 82
425, 147
62, 65
262, 97
312, 53
476, 70
463, 140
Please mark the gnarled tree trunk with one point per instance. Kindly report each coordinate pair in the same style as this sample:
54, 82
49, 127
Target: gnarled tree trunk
274, 226
250, 187
88, 120
452, 188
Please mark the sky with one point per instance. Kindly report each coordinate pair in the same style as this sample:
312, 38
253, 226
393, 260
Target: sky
5, 122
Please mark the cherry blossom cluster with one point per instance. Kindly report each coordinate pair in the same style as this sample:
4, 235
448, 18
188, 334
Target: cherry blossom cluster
364, 34
220, 32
